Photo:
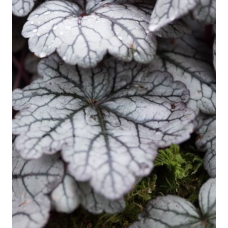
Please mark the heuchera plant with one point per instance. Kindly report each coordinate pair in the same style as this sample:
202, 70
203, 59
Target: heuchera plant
120, 79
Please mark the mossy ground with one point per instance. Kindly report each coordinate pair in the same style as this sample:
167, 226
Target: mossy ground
178, 170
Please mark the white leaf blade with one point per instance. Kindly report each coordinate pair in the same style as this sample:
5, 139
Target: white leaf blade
96, 203
186, 62
26, 213
169, 211
207, 143
205, 11
64, 197
207, 201
118, 29
31, 181
70, 105
69, 194
166, 11
210, 162
21, 8
174, 211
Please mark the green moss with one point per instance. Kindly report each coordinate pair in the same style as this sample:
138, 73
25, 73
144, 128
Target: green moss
178, 170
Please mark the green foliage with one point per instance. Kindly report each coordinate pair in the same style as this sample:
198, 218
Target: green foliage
178, 170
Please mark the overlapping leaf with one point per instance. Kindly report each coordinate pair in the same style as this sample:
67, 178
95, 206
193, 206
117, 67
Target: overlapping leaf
69, 194
189, 61
205, 11
176, 29
207, 142
65, 198
31, 181
173, 211
197, 28
21, 8
83, 37
89, 5
108, 121
166, 11
207, 203
31, 62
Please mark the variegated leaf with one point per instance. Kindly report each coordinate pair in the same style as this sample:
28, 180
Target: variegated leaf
83, 37
173, 211
69, 194
207, 203
22, 8
169, 211
96, 203
65, 197
31, 181
189, 62
205, 11
176, 29
166, 11
207, 142
108, 121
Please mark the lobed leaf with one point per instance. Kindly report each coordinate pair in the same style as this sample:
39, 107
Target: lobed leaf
69, 194
173, 211
169, 211
84, 36
188, 61
64, 197
32, 180
166, 11
108, 121
207, 142
22, 8
176, 29
207, 202
205, 11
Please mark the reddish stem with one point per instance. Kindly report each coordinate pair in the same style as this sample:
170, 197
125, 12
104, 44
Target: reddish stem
21, 73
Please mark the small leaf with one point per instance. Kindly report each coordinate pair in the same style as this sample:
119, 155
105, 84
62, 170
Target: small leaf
188, 61
166, 11
96, 203
205, 11
176, 29
207, 143
169, 211
31, 181
108, 121
22, 8
84, 36
207, 202
69, 194
65, 198
173, 211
